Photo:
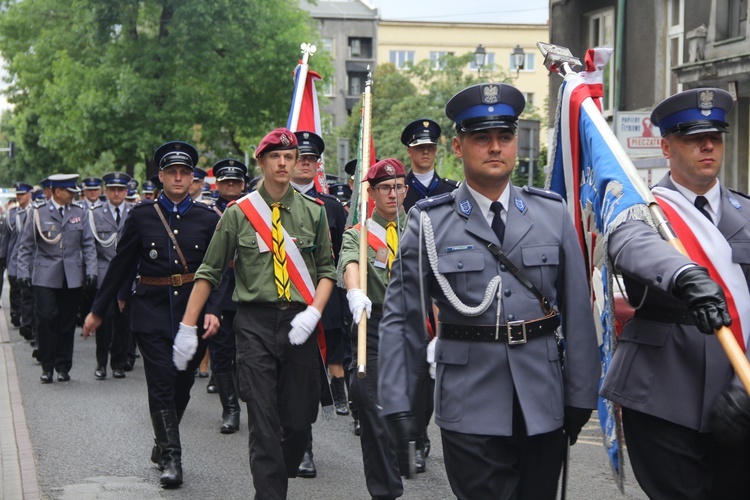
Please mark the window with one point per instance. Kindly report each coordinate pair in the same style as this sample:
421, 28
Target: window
489, 62
400, 58
327, 87
360, 47
528, 62
357, 83
437, 59
601, 33
731, 19
529, 96
675, 43
328, 45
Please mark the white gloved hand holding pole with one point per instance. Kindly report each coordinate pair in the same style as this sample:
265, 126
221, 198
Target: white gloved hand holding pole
303, 325
431, 357
358, 302
185, 345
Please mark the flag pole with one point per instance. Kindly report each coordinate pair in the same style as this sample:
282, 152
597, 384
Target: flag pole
363, 213
559, 58
307, 50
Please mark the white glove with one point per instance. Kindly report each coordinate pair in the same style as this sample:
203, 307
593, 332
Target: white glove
303, 325
431, 357
185, 345
358, 302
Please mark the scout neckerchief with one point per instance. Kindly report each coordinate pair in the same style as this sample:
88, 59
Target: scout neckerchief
259, 214
280, 272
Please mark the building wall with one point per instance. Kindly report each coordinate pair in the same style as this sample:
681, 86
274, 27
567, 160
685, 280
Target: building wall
461, 38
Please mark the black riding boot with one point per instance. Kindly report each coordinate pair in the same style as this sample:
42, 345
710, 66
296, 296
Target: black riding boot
229, 402
307, 466
338, 388
167, 432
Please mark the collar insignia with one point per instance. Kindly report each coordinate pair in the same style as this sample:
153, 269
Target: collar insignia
520, 205
465, 207
735, 203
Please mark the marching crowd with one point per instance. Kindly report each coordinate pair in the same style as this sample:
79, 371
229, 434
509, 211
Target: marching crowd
476, 302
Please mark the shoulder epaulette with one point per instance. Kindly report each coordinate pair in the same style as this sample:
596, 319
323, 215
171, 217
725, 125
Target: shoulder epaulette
203, 205
39, 204
76, 204
233, 202
144, 203
434, 201
310, 198
452, 182
740, 193
98, 204
546, 193
329, 197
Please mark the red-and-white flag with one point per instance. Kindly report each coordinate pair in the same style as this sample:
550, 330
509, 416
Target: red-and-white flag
305, 99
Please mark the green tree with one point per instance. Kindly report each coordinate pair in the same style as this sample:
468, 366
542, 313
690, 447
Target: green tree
94, 80
419, 91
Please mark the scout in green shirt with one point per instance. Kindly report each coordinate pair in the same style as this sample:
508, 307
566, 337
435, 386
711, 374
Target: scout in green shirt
387, 190
274, 236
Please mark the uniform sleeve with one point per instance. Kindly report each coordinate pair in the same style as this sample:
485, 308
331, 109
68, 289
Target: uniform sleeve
349, 249
582, 363
120, 269
634, 243
88, 247
26, 244
222, 247
323, 254
401, 331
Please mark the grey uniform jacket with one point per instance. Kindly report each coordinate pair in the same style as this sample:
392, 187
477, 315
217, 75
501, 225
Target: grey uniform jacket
17, 218
475, 381
54, 264
105, 228
669, 370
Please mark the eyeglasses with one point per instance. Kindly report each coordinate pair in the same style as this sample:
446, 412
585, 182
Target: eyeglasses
399, 188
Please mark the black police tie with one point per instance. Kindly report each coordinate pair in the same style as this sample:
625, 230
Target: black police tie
497, 222
62, 212
700, 203
117, 216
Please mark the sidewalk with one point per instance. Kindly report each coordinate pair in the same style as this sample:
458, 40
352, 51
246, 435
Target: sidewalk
18, 479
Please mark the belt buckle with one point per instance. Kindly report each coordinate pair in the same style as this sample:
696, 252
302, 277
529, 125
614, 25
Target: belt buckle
516, 335
176, 279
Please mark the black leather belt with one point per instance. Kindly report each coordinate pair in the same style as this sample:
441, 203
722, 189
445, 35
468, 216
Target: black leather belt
514, 332
665, 315
282, 306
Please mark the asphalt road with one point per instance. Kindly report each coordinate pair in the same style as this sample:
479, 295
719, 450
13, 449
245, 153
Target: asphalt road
92, 440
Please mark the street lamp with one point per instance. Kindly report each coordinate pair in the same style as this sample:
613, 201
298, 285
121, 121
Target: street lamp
519, 58
479, 57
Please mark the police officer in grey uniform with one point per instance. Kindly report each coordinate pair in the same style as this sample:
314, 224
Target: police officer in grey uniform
58, 245
107, 220
20, 305
92, 190
669, 374
505, 269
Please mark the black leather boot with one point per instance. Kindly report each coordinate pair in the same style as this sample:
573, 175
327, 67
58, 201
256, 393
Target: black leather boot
338, 389
307, 466
211, 387
229, 402
167, 432
156, 451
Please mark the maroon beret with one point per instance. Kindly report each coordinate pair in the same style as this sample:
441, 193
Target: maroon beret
281, 138
383, 170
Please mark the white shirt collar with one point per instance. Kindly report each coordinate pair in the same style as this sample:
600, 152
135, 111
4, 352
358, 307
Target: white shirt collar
303, 188
484, 203
424, 179
713, 196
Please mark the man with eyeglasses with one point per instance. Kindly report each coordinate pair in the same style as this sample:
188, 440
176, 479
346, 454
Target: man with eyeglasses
421, 139
386, 190
311, 147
